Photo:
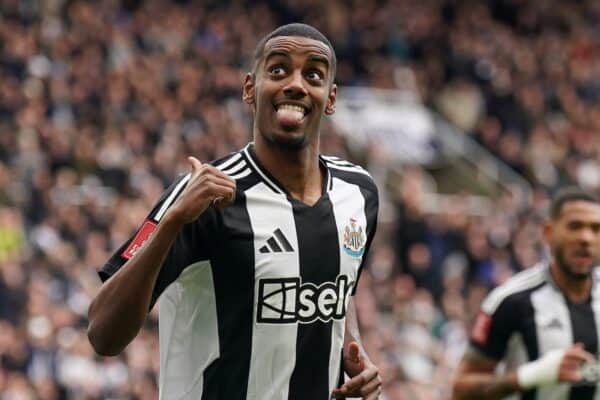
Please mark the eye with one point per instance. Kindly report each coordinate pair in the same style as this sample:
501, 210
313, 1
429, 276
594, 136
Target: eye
276, 70
314, 74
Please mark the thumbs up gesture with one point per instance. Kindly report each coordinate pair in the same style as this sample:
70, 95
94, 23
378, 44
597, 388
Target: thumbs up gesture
207, 185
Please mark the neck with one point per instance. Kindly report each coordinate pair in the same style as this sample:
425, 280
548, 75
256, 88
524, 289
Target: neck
298, 171
576, 290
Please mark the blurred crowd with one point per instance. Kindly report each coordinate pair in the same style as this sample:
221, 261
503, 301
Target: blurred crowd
100, 103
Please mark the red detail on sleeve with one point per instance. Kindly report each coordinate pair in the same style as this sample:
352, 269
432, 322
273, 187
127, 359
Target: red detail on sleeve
481, 328
138, 241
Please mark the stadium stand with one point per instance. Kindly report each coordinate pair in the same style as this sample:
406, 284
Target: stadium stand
100, 102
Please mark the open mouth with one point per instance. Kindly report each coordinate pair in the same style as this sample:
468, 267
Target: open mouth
289, 114
297, 108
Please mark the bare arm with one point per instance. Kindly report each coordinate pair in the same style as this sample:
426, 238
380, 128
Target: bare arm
475, 379
119, 309
365, 380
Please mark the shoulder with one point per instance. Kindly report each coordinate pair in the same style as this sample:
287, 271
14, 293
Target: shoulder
516, 289
350, 173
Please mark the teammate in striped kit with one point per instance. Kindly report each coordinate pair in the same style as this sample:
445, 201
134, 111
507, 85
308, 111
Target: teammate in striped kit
255, 256
544, 322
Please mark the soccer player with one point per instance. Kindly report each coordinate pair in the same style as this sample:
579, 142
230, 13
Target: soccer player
543, 322
255, 256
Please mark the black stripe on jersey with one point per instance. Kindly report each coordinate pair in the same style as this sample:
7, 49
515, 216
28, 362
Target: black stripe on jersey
583, 324
310, 377
520, 303
233, 274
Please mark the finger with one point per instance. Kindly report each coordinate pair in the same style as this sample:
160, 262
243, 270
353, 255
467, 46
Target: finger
354, 384
371, 386
354, 352
339, 393
579, 355
195, 163
221, 181
374, 395
218, 172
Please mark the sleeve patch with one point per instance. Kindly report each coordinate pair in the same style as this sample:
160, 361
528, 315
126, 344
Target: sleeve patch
138, 241
481, 328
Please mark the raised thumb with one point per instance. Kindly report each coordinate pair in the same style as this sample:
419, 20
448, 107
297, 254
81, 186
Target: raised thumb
354, 352
195, 163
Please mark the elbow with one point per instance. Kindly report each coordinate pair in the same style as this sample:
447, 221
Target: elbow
101, 343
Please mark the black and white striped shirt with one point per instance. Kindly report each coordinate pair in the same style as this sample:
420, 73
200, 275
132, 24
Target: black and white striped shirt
528, 316
253, 297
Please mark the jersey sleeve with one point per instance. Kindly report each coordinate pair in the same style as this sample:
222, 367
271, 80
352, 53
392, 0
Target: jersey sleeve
493, 328
191, 245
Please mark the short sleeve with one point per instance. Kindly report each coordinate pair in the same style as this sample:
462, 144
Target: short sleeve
191, 245
492, 330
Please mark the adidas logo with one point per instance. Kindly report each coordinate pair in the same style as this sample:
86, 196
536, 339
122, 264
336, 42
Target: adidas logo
555, 323
277, 243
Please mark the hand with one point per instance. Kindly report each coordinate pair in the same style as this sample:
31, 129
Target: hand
207, 185
365, 381
574, 358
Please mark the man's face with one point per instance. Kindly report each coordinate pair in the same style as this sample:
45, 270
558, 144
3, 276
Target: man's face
574, 238
291, 89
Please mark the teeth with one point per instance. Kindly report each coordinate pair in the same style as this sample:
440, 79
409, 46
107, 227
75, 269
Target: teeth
292, 107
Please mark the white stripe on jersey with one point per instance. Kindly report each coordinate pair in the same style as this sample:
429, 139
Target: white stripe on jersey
227, 163
267, 214
340, 162
549, 307
343, 211
360, 170
235, 168
522, 281
187, 306
167, 203
242, 174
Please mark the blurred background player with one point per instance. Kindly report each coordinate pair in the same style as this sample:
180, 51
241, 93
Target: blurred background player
543, 323
255, 258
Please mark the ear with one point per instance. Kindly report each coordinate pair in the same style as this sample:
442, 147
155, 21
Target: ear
330, 107
249, 90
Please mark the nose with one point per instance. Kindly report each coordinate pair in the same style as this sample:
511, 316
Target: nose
294, 88
587, 235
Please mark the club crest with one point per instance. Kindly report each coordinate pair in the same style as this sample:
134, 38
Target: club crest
354, 239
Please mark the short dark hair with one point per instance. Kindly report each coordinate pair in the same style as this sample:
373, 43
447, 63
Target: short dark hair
295, 29
567, 195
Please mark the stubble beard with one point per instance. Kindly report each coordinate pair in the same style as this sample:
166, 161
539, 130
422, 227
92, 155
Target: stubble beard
291, 143
562, 264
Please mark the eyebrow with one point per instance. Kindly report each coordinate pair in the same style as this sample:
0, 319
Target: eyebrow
313, 58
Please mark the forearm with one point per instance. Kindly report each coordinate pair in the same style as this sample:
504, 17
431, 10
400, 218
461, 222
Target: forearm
119, 309
484, 386
352, 331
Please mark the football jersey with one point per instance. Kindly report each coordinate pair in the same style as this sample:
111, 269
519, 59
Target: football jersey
252, 298
529, 316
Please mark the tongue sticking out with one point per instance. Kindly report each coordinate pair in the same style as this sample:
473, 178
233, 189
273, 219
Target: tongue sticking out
289, 118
